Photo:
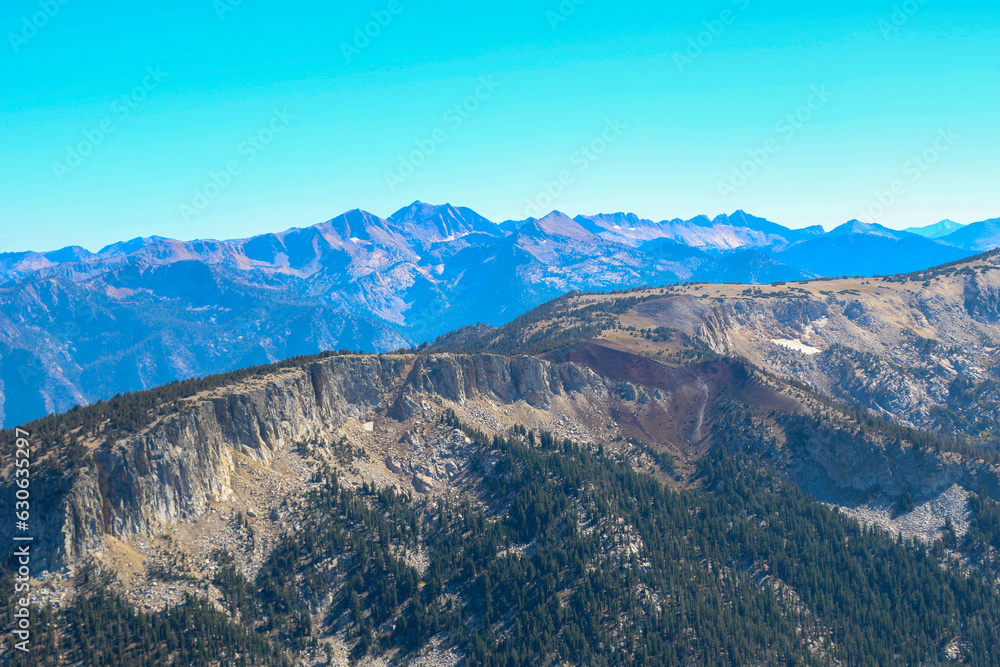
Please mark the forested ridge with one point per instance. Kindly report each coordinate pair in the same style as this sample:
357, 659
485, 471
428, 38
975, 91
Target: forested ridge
562, 553
552, 551
128, 413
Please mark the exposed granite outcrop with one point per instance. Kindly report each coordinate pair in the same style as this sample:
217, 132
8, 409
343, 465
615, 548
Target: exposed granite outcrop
175, 467
850, 469
982, 300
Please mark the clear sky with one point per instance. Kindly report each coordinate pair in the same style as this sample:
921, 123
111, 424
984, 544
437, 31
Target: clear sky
194, 119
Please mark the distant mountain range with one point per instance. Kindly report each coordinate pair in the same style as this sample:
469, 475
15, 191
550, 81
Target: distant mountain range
77, 326
936, 231
977, 237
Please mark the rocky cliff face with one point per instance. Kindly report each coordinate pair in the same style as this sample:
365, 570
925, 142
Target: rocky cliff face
173, 469
851, 469
190, 459
896, 346
920, 349
982, 300
893, 345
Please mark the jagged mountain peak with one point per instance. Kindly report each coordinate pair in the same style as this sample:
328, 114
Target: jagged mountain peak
426, 270
614, 220
356, 224
558, 225
701, 221
741, 218
444, 222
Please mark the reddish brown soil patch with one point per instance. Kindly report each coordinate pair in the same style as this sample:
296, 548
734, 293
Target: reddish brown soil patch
685, 398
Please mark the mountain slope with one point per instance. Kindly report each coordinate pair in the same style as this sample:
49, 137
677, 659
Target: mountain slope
912, 347
633, 497
76, 327
859, 249
436, 224
977, 237
722, 233
936, 231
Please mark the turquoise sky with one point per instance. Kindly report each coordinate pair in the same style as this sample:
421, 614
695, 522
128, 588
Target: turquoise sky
221, 120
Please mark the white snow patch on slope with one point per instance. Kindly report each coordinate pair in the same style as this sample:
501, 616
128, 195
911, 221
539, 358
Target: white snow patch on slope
797, 345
